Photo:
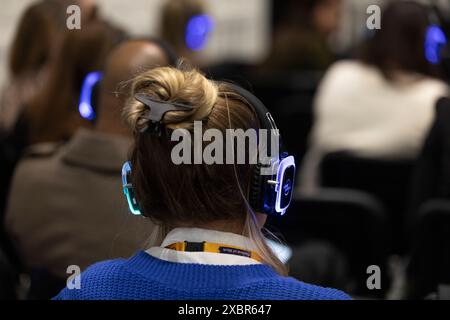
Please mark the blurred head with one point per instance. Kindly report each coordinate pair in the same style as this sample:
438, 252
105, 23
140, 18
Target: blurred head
197, 195
326, 15
36, 37
175, 16
399, 44
88, 8
53, 113
123, 64
321, 16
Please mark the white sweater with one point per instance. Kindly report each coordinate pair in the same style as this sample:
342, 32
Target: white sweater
358, 110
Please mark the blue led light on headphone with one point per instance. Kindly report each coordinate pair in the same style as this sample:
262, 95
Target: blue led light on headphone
197, 31
85, 107
128, 189
435, 40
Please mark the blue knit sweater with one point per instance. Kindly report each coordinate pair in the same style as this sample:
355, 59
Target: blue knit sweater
145, 277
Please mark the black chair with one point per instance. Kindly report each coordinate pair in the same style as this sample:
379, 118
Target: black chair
9, 278
289, 97
352, 221
430, 257
44, 285
387, 180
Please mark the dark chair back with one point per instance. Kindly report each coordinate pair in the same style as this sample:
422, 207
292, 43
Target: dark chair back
9, 278
387, 180
430, 258
352, 221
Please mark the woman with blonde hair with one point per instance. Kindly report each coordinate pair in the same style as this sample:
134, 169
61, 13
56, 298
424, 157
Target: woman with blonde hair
210, 243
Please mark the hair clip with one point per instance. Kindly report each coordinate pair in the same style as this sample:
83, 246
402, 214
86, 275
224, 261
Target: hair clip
157, 111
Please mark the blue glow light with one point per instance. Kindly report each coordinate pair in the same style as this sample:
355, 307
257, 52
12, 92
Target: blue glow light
127, 187
283, 166
85, 106
197, 31
435, 40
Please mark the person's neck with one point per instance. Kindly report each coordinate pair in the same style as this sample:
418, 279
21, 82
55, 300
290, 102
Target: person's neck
235, 227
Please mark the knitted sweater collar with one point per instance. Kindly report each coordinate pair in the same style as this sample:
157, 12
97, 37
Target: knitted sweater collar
197, 276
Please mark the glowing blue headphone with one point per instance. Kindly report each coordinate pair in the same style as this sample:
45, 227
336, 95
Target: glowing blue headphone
435, 41
128, 189
268, 193
86, 106
435, 38
197, 31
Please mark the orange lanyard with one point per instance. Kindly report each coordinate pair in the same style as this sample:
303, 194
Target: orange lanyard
214, 248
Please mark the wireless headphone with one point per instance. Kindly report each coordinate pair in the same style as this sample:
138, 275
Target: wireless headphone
272, 181
90, 88
436, 42
197, 31
89, 95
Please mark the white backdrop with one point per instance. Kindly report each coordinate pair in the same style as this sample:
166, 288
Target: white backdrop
237, 22
242, 26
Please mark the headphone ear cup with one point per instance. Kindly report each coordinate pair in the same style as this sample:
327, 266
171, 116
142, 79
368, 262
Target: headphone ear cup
256, 181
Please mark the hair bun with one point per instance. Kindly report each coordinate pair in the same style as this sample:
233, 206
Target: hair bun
172, 85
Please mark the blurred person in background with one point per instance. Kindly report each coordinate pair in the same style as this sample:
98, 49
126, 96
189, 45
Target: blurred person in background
52, 114
66, 205
175, 17
37, 39
382, 104
37, 36
302, 30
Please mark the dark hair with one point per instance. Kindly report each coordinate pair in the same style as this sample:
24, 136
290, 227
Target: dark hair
35, 35
399, 44
51, 112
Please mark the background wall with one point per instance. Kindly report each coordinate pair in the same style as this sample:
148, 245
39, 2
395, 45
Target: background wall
236, 21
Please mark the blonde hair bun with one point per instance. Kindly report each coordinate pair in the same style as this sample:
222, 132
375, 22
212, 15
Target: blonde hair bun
172, 85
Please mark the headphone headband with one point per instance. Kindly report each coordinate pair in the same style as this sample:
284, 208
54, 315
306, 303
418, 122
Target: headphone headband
264, 116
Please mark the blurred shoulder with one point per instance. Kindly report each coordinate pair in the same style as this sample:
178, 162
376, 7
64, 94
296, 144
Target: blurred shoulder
37, 163
349, 76
39, 155
348, 67
41, 150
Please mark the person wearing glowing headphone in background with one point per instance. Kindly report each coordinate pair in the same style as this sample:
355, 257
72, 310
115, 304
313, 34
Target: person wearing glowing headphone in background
381, 105
209, 241
65, 207
186, 27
